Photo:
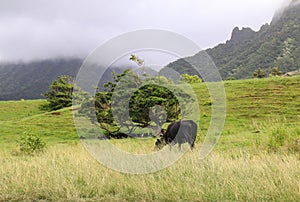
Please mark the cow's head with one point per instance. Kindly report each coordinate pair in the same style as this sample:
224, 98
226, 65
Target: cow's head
160, 132
160, 143
163, 132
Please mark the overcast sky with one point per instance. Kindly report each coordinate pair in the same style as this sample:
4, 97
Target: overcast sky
38, 29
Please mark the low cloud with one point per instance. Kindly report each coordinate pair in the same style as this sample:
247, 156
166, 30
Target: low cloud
38, 29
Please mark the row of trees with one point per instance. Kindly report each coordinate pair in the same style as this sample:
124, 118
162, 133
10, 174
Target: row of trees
260, 73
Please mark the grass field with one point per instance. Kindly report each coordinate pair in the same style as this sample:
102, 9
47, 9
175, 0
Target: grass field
244, 165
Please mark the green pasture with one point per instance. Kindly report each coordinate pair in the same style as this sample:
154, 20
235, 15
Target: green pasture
241, 168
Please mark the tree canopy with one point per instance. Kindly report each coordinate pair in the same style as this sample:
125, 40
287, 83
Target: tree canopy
60, 93
131, 101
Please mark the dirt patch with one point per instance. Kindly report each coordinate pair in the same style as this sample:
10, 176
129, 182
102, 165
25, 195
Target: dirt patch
55, 113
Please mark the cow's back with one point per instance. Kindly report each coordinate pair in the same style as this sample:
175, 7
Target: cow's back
181, 132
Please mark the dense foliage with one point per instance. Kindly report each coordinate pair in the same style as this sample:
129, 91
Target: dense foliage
186, 78
60, 94
147, 103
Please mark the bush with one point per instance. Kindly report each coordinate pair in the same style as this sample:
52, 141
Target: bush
275, 72
259, 73
277, 139
190, 78
31, 144
284, 139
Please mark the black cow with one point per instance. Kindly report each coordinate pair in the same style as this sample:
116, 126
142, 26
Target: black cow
179, 132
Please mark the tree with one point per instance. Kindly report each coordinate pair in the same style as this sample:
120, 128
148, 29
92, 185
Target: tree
147, 98
98, 108
275, 72
130, 101
259, 73
148, 105
190, 79
137, 60
60, 93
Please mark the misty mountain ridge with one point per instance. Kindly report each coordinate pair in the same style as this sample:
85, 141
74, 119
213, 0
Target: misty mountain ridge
274, 45
30, 80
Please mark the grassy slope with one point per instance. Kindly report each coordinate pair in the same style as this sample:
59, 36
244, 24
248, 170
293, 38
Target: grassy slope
21, 117
238, 170
255, 108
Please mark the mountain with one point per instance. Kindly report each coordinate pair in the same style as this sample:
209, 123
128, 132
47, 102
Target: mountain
274, 45
30, 80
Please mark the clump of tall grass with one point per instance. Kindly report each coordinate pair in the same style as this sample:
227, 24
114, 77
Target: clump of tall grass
284, 138
277, 136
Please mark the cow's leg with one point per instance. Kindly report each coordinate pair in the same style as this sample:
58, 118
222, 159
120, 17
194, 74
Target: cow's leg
189, 139
192, 145
191, 142
171, 144
179, 147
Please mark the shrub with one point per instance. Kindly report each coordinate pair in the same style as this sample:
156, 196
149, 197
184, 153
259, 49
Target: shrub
30, 144
230, 78
275, 72
259, 73
278, 138
190, 78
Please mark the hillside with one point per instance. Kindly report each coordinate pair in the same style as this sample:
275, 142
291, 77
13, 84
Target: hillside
274, 45
241, 167
253, 106
30, 80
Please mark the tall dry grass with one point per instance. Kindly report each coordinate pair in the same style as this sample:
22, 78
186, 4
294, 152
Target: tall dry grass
68, 173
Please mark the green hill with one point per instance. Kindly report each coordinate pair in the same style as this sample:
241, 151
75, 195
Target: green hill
255, 108
274, 45
31, 79
24, 117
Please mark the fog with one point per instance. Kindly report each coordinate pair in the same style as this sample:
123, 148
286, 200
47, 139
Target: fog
40, 29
